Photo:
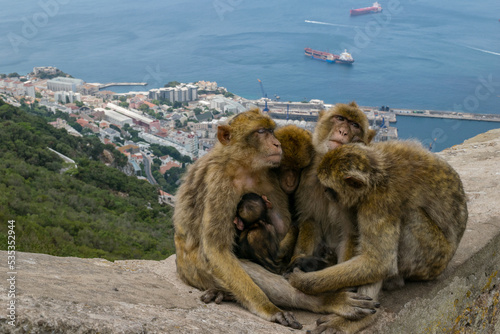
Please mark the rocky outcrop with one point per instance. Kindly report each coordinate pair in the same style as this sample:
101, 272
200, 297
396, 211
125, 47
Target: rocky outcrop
73, 295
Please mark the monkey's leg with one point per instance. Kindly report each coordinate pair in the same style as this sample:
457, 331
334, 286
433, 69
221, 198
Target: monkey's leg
424, 249
345, 303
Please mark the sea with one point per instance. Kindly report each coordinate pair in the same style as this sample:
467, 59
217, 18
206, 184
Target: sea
415, 54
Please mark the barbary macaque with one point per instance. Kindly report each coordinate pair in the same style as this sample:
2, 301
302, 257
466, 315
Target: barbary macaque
256, 236
318, 217
207, 199
409, 213
244, 161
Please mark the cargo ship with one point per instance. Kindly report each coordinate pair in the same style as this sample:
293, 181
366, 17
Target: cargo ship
375, 8
344, 58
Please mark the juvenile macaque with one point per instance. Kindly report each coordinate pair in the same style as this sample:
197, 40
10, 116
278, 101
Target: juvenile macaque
298, 150
409, 214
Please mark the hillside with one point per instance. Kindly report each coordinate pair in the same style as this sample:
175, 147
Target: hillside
89, 211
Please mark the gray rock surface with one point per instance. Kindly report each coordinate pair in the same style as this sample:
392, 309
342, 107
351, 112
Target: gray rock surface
73, 295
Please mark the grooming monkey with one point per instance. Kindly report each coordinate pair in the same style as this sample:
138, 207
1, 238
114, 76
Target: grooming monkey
206, 205
410, 213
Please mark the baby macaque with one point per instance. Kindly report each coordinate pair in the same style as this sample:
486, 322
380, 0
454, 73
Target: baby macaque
256, 239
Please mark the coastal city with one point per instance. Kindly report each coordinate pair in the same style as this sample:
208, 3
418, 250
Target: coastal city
180, 115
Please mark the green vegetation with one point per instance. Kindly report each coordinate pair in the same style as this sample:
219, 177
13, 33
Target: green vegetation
89, 211
172, 84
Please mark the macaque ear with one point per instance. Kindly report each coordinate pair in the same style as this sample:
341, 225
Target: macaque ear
353, 104
321, 113
239, 223
354, 182
370, 135
224, 134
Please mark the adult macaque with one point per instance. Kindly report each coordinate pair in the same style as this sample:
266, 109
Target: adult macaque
206, 205
409, 213
319, 219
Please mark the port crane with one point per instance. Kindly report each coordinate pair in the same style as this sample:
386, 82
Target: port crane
264, 95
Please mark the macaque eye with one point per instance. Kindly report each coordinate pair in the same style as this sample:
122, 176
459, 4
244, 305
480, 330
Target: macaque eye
261, 131
340, 118
356, 125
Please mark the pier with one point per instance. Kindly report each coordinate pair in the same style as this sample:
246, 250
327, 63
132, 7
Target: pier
101, 86
447, 115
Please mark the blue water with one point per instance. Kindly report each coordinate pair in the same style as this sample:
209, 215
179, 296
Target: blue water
415, 54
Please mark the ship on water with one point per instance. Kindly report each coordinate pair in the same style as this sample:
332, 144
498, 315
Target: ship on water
344, 58
375, 8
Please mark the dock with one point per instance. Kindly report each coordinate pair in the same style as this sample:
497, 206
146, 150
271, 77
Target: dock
448, 115
101, 86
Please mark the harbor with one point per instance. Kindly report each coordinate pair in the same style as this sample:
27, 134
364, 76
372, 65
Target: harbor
111, 84
447, 115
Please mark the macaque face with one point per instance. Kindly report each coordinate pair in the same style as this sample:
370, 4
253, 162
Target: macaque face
344, 131
269, 147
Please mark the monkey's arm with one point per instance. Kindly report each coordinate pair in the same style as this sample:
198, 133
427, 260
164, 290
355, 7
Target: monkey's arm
376, 259
287, 245
306, 239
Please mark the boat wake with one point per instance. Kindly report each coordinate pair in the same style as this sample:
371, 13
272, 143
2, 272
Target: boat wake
330, 24
485, 51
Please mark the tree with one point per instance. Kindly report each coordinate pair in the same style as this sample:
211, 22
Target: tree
13, 75
124, 104
114, 127
172, 84
79, 104
177, 104
144, 108
197, 111
123, 98
38, 95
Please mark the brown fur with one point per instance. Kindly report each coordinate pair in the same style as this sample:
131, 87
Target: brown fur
297, 154
257, 239
323, 222
410, 213
206, 205
204, 230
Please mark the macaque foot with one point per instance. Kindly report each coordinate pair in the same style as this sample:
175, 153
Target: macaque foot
216, 295
334, 324
349, 304
286, 319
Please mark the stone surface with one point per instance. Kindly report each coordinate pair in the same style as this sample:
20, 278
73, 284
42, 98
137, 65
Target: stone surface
73, 295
